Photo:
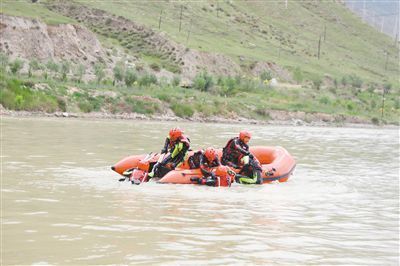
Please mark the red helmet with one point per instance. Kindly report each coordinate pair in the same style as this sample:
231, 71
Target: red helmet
210, 154
244, 134
175, 133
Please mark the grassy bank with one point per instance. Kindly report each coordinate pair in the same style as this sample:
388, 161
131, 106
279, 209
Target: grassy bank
228, 97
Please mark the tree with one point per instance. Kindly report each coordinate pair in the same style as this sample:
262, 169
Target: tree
80, 71
99, 72
52, 66
119, 72
16, 66
65, 67
33, 65
3, 61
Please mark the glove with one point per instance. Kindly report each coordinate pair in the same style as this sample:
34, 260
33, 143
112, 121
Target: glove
251, 156
163, 151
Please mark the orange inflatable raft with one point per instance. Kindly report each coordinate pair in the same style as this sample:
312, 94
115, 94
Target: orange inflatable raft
277, 165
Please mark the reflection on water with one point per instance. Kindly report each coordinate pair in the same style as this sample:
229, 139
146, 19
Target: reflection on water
63, 205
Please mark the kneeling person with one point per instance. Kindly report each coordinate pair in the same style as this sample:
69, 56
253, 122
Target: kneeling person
178, 145
205, 161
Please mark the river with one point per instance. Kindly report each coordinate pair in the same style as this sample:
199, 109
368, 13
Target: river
61, 203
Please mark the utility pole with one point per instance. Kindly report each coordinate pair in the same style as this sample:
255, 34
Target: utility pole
217, 9
159, 21
319, 46
387, 59
383, 23
180, 19
324, 32
286, 2
190, 28
383, 102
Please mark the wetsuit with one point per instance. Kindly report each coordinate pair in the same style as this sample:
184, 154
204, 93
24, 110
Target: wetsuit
199, 160
237, 153
177, 153
234, 152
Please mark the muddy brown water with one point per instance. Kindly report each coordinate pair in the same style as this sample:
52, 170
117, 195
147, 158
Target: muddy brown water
61, 203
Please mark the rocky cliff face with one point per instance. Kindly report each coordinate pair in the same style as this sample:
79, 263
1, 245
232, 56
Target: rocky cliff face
31, 39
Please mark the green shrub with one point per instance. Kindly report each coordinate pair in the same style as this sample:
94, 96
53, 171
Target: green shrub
344, 81
325, 100
375, 121
16, 66
350, 106
176, 80
203, 81
80, 71
142, 107
265, 75
33, 65
65, 67
155, 66
355, 81
62, 105
85, 107
298, 75
317, 82
119, 72
130, 77
3, 61
182, 110
147, 79
52, 66
99, 72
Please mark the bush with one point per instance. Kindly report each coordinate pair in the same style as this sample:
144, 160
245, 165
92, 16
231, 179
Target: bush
375, 121
344, 81
176, 81
85, 107
182, 110
119, 72
65, 67
80, 71
130, 76
16, 66
3, 61
387, 87
147, 79
298, 75
350, 106
17, 96
99, 72
325, 100
317, 82
203, 81
140, 106
33, 65
265, 75
155, 66
52, 66
355, 81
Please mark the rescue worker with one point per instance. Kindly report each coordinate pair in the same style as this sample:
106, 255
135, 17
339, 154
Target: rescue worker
177, 144
236, 154
205, 160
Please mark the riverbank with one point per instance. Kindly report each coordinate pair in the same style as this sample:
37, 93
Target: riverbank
287, 118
